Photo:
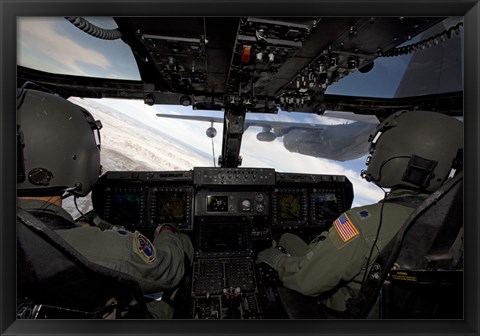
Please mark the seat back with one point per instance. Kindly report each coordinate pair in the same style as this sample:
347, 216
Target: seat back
419, 274
55, 278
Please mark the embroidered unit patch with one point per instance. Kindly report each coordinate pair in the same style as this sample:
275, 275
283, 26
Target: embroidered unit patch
363, 214
345, 229
143, 247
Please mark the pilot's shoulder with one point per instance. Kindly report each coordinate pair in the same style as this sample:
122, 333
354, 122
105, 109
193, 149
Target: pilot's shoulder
364, 214
344, 230
353, 224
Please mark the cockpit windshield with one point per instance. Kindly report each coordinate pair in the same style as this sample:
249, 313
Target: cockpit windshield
53, 44
326, 142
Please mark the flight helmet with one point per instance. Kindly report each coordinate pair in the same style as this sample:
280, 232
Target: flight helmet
58, 146
415, 150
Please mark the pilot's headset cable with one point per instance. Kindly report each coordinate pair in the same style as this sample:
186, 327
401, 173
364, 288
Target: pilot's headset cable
377, 235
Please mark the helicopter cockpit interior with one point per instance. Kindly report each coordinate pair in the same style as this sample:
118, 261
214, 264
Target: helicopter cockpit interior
254, 66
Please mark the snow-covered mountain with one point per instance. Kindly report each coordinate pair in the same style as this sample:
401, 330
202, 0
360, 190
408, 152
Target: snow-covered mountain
128, 144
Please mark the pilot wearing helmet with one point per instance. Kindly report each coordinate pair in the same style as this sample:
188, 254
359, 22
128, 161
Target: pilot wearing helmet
413, 154
59, 153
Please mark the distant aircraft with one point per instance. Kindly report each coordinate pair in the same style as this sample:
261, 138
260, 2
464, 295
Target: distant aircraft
341, 142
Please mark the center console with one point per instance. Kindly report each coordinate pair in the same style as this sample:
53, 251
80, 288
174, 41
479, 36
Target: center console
230, 214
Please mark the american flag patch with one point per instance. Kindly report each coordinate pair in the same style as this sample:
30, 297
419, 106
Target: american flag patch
345, 229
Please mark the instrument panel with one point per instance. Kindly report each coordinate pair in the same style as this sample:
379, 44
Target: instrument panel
230, 214
143, 200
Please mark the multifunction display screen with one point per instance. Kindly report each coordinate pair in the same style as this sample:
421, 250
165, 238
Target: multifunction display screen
171, 208
171, 205
125, 206
289, 207
217, 203
325, 206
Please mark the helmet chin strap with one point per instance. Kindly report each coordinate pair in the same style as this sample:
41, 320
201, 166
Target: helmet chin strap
457, 164
69, 191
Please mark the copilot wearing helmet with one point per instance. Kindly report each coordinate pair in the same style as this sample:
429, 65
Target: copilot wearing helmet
412, 153
59, 153
58, 146
415, 150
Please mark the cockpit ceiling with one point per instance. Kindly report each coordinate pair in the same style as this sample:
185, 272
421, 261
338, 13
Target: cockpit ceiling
263, 63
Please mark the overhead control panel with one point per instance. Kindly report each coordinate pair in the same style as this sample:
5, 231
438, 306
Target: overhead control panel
263, 63
262, 47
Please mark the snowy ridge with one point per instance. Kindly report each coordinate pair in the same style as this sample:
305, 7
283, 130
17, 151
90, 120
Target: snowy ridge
128, 144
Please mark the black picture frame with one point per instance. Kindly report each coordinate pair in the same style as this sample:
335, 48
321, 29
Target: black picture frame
10, 10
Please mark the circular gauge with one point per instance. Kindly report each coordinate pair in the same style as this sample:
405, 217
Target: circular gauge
259, 208
259, 197
246, 205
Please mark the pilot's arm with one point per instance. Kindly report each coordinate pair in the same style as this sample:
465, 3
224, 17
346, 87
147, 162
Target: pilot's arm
326, 263
156, 265
322, 265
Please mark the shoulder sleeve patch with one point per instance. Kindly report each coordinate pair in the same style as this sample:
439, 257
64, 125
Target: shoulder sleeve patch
345, 228
143, 247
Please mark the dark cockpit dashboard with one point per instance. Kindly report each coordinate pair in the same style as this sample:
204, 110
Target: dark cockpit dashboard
230, 214
143, 200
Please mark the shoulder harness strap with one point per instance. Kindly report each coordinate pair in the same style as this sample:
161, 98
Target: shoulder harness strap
409, 201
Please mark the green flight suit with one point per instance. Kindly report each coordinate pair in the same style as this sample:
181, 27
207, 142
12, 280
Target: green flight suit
156, 266
336, 260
